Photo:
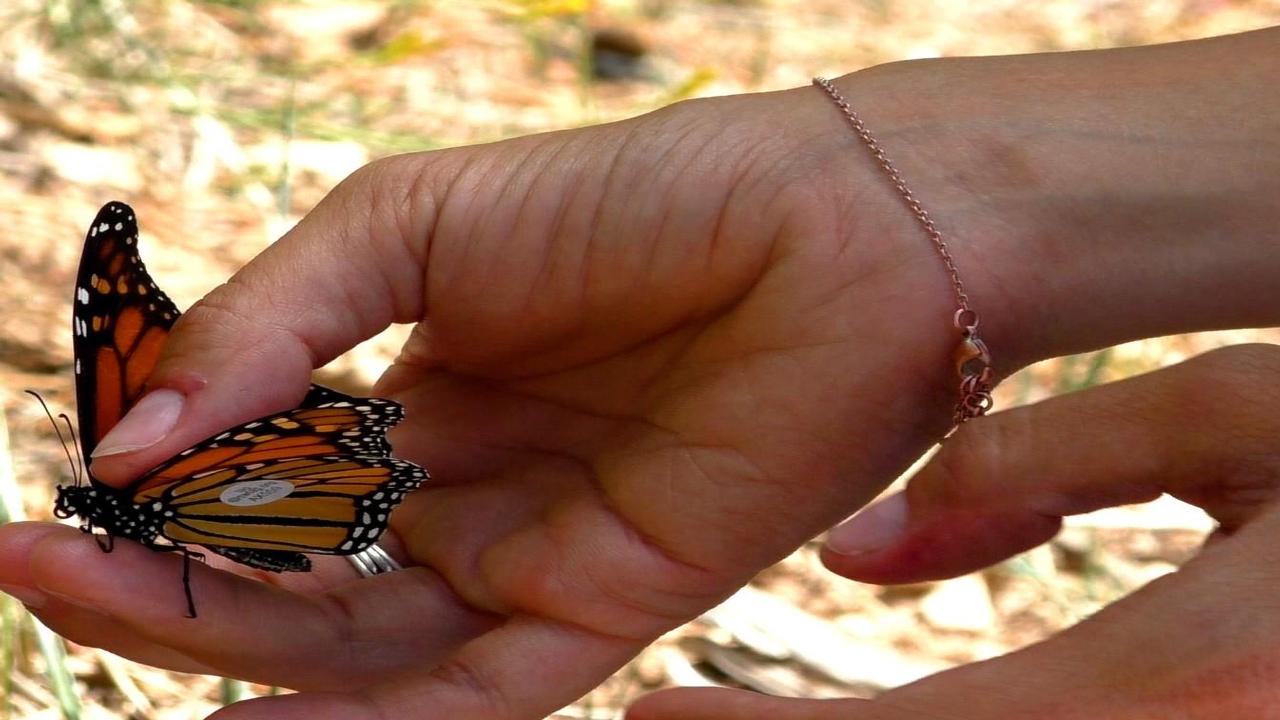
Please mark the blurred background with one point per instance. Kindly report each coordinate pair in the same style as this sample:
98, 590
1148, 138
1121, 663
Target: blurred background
223, 121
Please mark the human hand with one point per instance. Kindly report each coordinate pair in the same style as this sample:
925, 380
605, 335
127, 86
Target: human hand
1200, 643
656, 355
639, 344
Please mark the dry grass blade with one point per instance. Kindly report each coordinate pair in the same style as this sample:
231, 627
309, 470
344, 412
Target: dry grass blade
10, 612
775, 627
49, 644
118, 671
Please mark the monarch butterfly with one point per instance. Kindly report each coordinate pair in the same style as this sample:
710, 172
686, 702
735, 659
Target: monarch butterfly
315, 479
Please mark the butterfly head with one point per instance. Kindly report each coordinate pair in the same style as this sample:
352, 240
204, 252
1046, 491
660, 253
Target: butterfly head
75, 500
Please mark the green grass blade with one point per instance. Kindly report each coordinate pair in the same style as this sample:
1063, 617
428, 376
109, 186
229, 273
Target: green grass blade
61, 681
233, 691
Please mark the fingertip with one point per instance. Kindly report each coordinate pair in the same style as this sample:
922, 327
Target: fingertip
18, 542
873, 528
146, 423
945, 545
184, 409
72, 567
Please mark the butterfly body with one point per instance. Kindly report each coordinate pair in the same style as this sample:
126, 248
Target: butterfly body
317, 479
111, 510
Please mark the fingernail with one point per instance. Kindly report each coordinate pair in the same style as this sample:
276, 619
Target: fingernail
27, 596
144, 425
874, 528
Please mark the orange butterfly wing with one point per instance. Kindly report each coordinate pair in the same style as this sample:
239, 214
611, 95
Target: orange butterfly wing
308, 480
119, 323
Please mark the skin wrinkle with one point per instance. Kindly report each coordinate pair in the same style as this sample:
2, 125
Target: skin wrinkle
150, 632
546, 274
212, 304
367, 324
510, 177
718, 242
597, 477
637, 145
664, 166
557, 225
648, 611
553, 251
784, 220
342, 621
619, 592
595, 480
675, 394
460, 671
607, 188
405, 282
717, 228
448, 201
714, 312
659, 430
351, 238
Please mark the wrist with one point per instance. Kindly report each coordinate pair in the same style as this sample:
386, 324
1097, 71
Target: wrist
1095, 197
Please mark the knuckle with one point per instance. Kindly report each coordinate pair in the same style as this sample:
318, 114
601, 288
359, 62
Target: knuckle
483, 693
1231, 384
977, 452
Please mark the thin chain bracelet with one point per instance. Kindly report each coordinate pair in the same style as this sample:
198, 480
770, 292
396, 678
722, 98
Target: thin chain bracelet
972, 359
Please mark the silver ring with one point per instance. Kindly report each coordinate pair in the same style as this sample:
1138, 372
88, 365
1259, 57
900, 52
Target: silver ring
373, 560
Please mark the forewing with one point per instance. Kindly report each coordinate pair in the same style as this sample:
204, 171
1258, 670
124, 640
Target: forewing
120, 322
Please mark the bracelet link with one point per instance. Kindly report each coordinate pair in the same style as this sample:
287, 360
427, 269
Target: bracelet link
973, 365
972, 359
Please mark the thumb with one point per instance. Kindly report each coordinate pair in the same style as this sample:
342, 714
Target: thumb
1202, 431
351, 267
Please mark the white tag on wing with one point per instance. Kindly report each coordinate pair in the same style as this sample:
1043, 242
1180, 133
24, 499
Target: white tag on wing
250, 493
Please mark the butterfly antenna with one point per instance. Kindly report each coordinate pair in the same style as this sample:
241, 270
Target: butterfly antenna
61, 438
75, 444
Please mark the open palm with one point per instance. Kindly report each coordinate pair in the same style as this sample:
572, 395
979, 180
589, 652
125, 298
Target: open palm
652, 357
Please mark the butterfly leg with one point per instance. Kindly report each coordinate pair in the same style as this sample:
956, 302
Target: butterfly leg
187, 555
106, 545
186, 578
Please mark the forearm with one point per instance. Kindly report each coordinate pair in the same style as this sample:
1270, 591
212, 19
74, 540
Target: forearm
1096, 197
